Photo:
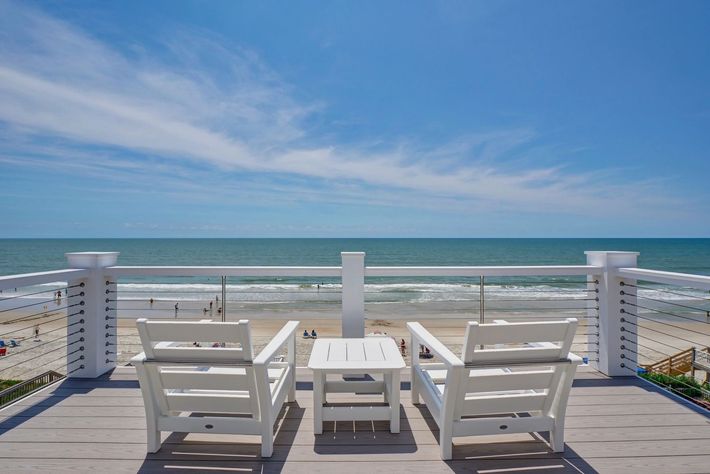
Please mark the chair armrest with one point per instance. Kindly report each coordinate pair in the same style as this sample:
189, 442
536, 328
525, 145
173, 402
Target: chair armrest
574, 359
138, 359
276, 343
437, 348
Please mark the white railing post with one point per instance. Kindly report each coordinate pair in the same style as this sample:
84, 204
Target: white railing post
99, 317
353, 294
616, 345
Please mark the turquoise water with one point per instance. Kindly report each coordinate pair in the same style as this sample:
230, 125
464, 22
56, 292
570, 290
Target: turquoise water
32, 255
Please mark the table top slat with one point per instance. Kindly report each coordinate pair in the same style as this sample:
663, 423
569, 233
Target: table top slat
373, 349
373, 354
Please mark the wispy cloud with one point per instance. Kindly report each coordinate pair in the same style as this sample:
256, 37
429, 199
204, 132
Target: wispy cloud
201, 103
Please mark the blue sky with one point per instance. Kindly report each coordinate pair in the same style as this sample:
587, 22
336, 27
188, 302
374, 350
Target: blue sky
354, 119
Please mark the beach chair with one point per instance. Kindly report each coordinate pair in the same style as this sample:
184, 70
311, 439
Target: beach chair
511, 378
224, 389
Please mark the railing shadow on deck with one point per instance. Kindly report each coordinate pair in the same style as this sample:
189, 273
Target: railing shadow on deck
649, 387
53, 398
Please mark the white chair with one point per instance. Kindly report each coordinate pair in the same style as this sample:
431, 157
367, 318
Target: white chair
506, 369
177, 377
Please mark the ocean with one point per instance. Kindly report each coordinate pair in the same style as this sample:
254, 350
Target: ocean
35, 255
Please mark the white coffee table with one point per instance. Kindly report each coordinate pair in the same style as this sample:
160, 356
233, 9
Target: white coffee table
372, 355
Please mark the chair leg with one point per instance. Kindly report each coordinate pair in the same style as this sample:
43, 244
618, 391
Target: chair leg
291, 397
413, 372
267, 439
413, 386
557, 437
153, 439
446, 445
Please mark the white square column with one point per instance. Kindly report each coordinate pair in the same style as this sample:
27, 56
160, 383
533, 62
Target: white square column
617, 329
91, 336
353, 294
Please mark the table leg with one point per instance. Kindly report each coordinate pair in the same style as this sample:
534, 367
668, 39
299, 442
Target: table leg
388, 386
394, 401
318, 387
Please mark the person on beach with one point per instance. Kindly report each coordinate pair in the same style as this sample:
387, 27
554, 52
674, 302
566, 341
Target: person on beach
305, 334
36, 332
59, 297
313, 334
204, 312
210, 308
176, 310
403, 347
151, 302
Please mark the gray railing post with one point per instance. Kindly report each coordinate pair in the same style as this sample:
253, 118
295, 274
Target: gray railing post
96, 328
353, 294
617, 326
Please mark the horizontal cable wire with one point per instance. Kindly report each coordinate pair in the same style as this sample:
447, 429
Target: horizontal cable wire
6, 298
37, 356
664, 312
704, 310
32, 326
663, 290
650, 349
663, 343
667, 324
41, 313
671, 335
16, 353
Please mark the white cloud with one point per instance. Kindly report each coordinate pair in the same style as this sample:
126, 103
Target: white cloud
220, 106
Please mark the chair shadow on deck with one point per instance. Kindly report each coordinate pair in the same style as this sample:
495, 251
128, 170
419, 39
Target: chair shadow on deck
471, 454
181, 452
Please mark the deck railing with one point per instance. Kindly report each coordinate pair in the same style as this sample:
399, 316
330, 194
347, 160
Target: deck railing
28, 387
599, 293
665, 325
41, 324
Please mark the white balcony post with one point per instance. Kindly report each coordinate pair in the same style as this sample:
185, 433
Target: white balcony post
616, 345
98, 322
353, 294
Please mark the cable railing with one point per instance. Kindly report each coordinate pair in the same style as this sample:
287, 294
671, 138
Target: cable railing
261, 294
444, 302
665, 325
41, 326
83, 320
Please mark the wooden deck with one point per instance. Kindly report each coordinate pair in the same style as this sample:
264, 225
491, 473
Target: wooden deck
613, 425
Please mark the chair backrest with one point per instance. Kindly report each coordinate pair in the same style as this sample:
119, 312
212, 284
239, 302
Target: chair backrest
173, 340
517, 342
186, 377
513, 367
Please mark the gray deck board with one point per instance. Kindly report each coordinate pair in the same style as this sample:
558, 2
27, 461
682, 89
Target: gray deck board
613, 425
